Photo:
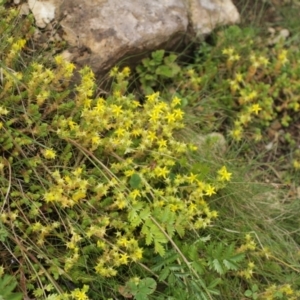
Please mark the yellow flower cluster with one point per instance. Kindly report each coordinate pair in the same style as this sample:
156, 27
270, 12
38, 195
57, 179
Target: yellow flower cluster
138, 182
252, 106
15, 49
68, 190
272, 292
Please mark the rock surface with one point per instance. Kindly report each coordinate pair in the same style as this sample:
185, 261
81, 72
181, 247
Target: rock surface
111, 30
101, 33
205, 15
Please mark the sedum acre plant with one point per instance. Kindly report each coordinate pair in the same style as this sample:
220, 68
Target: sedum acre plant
91, 187
99, 199
242, 86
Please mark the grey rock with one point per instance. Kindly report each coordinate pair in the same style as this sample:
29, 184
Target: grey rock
101, 33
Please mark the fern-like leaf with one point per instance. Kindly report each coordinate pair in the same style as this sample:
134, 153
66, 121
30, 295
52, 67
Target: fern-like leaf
7, 286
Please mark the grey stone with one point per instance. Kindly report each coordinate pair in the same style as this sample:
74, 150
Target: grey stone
101, 33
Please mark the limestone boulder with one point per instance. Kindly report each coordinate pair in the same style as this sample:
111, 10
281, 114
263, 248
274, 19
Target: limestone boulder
109, 30
101, 33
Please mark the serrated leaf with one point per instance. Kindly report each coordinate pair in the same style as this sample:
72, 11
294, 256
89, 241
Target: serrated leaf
159, 248
158, 55
145, 213
170, 229
230, 265
180, 230
237, 257
170, 59
198, 267
134, 218
7, 285
218, 266
164, 274
148, 234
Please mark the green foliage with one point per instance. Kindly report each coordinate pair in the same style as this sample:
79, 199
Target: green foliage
153, 71
101, 197
223, 258
252, 85
252, 294
93, 187
139, 289
7, 286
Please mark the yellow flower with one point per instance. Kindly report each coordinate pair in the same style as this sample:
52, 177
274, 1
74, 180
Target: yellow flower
209, 190
151, 136
18, 45
58, 59
162, 143
137, 254
176, 101
228, 51
78, 294
296, 164
126, 71
121, 203
252, 96
224, 175
192, 178
123, 241
178, 113
255, 108
239, 77
135, 193
236, 133
161, 172
78, 195
69, 68
136, 132
170, 117
96, 140
286, 288
234, 57
193, 147
282, 56
117, 94
129, 173
234, 85
154, 117
153, 97
120, 132
114, 71
72, 124
263, 60
3, 111
117, 110
136, 103
49, 153
123, 259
